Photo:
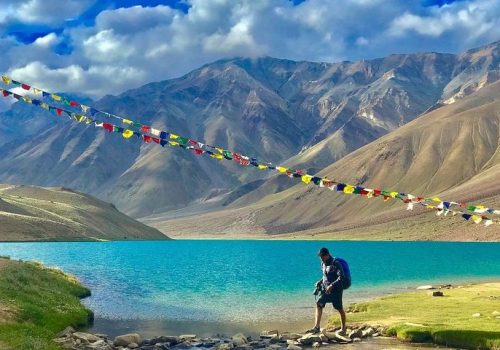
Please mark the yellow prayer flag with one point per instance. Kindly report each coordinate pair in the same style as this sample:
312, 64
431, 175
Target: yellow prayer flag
127, 133
306, 178
281, 169
476, 219
349, 189
127, 121
6, 79
44, 105
174, 137
79, 118
173, 143
393, 194
217, 156
220, 150
262, 166
27, 99
55, 97
436, 199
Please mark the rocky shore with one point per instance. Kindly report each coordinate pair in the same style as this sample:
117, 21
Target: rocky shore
268, 340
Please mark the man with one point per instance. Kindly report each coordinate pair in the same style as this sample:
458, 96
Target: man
331, 286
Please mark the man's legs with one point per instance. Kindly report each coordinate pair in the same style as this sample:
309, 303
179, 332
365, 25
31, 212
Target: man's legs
319, 313
342, 320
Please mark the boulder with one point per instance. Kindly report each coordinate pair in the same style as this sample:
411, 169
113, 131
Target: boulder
309, 339
495, 313
66, 332
185, 337
367, 332
85, 338
126, 339
65, 343
269, 334
277, 339
437, 293
239, 339
355, 333
293, 336
477, 314
172, 340
225, 346
294, 347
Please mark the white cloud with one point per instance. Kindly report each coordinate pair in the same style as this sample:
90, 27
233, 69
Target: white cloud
43, 11
128, 47
47, 41
471, 20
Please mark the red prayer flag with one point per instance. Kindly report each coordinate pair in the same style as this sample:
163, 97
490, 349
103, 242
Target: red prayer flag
5, 93
193, 142
108, 126
25, 87
59, 111
145, 128
146, 138
74, 104
157, 140
377, 193
198, 151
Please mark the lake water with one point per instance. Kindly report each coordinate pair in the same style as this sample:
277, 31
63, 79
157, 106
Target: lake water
184, 286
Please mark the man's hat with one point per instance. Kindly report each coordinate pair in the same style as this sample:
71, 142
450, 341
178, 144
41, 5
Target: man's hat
323, 251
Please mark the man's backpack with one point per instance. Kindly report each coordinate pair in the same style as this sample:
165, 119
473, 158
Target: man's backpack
346, 281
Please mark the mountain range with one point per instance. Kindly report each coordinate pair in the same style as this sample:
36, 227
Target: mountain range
305, 115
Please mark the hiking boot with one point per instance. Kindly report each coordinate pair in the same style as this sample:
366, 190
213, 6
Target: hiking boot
341, 332
313, 330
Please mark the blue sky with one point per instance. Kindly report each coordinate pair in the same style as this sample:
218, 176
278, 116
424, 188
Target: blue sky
96, 47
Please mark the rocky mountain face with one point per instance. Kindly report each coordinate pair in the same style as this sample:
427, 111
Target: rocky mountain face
303, 114
452, 152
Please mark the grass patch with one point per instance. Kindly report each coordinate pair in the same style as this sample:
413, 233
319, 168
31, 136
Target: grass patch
447, 320
41, 301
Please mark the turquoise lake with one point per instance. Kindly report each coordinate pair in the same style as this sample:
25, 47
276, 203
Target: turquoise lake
181, 285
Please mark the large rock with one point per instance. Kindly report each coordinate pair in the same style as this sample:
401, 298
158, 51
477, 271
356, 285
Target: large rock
225, 346
66, 332
309, 339
126, 339
85, 338
239, 339
355, 333
172, 340
294, 347
185, 337
269, 334
367, 332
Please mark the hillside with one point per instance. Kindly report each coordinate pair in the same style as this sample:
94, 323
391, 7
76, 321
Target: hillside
58, 214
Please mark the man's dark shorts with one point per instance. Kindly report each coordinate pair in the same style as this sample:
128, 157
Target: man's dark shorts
335, 297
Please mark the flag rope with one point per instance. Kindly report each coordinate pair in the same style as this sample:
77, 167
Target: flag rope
149, 134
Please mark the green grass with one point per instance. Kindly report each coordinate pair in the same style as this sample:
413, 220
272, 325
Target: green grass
40, 302
447, 320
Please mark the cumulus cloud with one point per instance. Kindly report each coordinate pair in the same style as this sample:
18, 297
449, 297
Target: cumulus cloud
42, 11
470, 20
127, 47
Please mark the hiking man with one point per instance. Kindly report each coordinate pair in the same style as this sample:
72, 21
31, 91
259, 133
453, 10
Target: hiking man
330, 289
